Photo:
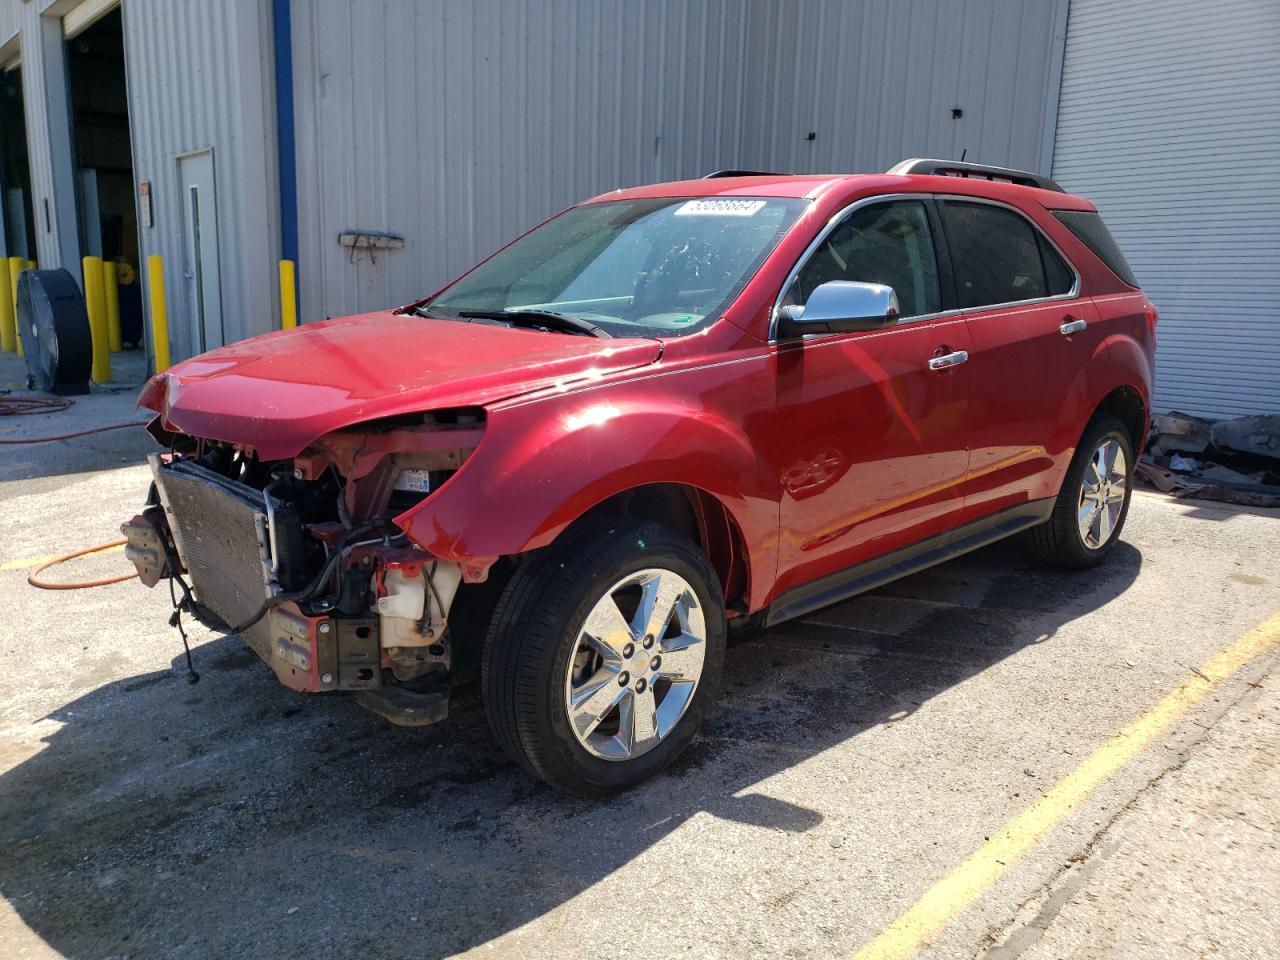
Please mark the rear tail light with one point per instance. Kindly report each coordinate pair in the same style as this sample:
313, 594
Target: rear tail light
1152, 316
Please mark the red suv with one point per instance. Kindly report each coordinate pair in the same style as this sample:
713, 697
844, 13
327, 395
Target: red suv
663, 412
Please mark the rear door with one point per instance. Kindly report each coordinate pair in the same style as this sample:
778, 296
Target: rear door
1033, 335
871, 449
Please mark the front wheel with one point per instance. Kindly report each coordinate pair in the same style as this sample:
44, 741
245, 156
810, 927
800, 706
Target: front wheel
603, 656
1094, 501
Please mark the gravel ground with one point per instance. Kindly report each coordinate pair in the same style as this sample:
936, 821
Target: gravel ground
856, 757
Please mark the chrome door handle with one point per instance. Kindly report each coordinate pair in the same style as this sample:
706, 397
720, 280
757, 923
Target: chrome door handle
948, 360
1072, 326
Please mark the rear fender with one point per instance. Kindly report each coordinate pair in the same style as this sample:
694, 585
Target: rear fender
1118, 361
543, 465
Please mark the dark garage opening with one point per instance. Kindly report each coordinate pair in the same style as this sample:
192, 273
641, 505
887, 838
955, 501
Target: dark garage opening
104, 160
15, 171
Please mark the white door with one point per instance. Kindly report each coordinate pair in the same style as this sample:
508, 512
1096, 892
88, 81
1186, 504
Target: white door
200, 234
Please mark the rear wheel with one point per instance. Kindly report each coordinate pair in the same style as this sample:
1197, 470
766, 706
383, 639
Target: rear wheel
1091, 507
603, 656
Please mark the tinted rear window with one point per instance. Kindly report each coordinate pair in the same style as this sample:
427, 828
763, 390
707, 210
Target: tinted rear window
1058, 275
996, 254
1093, 233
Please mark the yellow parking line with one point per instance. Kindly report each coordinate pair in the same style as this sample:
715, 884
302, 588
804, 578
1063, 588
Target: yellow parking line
34, 561
912, 931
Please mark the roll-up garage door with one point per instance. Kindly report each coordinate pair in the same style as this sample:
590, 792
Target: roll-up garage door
1169, 120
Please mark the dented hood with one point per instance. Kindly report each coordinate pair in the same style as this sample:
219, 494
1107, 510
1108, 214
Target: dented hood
280, 391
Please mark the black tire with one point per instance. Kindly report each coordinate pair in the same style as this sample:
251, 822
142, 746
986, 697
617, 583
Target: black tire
533, 633
1059, 540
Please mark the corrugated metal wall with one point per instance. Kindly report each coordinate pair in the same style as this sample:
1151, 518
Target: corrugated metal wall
1170, 122
877, 82
200, 77
458, 126
48, 144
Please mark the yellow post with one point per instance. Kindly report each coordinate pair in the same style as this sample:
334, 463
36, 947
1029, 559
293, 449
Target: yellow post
288, 296
95, 303
31, 265
16, 266
111, 293
159, 311
9, 332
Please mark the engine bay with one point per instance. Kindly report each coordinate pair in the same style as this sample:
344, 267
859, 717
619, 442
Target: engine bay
304, 557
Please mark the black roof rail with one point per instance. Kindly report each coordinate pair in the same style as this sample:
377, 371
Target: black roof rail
981, 171
742, 173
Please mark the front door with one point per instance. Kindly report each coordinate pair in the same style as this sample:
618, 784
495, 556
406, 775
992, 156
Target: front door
200, 260
873, 446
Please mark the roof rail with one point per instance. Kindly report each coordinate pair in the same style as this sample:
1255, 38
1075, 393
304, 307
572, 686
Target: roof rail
981, 171
741, 173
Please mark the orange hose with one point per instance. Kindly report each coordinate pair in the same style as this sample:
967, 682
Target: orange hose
45, 585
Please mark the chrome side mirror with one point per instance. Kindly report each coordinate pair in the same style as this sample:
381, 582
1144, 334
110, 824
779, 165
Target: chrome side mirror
838, 306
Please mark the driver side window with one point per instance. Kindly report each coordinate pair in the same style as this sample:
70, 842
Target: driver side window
889, 243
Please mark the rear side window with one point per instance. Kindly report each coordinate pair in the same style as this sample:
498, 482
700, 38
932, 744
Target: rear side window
999, 257
1058, 276
1093, 233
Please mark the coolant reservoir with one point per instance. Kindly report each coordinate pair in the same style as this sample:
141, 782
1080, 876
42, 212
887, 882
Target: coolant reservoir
409, 614
406, 594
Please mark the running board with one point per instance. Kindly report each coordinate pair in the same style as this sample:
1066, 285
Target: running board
862, 577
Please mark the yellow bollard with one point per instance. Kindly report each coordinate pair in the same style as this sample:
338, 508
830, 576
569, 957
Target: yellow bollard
96, 304
16, 266
9, 332
159, 311
288, 296
111, 293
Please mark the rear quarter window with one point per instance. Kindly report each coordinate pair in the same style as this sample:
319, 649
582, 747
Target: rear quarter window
1093, 233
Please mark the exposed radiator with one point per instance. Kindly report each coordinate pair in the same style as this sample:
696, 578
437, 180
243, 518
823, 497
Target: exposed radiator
220, 529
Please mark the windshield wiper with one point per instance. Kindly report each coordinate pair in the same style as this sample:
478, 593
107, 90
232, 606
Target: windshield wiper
548, 319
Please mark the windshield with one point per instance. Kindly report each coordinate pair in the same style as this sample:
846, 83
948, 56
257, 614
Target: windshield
639, 268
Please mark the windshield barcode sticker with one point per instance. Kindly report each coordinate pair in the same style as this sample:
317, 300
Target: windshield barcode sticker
720, 208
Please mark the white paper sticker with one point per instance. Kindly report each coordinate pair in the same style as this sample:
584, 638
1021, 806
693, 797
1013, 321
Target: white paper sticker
720, 207
414, 481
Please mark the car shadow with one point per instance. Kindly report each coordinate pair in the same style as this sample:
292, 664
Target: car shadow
235, 818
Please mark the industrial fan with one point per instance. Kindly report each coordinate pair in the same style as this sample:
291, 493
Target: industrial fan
55, 332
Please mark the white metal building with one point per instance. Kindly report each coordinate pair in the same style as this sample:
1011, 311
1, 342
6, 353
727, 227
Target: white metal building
224, 134
1169, 121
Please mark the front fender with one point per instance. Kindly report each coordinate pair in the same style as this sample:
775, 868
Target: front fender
543, 464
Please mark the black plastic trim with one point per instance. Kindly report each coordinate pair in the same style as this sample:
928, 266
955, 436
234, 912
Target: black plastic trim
870, 574
716, 174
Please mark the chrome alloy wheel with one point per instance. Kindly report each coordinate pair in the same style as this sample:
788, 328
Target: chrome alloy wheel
635, 664
1102, 494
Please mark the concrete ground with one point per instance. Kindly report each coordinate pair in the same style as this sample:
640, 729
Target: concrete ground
855, 759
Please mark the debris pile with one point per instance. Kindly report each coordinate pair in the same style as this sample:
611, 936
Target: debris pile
1232, 461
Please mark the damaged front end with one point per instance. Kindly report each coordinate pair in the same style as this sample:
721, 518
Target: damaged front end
304, 559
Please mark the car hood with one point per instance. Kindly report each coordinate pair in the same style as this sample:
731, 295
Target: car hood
280, 391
